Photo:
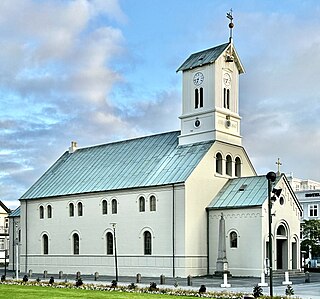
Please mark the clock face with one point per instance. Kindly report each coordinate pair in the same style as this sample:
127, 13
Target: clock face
198, 78
226, 79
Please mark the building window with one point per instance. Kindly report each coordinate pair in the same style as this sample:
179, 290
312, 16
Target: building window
109, 243
153, 203
76, 243
219, 163
114, 206
313, 210
201, 97
147, 243
198, 98
45, 244
226, 98
238, 167
104, 207
142, 204
41, 211
49, 211
233, 240
229, 165
80, 209
71, 209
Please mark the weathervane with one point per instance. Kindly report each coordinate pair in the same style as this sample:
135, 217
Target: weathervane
231, 25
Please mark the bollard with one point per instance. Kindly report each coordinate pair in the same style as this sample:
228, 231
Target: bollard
263, 280
225, 283
78, 274
60, 274
45, 274
189, 281
96, 276
162, 279
138, 278
286, 279
307, 277
30, 273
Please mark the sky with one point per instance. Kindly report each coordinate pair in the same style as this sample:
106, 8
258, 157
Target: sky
97, 71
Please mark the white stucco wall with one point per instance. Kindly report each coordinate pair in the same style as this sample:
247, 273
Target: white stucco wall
93, 226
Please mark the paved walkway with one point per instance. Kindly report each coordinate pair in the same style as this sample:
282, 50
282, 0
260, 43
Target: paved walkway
237, 284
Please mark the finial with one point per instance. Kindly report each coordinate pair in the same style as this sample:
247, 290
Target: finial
231, 25
279, 164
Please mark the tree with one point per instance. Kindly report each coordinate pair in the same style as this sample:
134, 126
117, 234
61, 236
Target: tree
311, 236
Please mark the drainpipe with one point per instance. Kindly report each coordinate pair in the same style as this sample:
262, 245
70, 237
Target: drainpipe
208, 234
13, 241
173, 232
26, 259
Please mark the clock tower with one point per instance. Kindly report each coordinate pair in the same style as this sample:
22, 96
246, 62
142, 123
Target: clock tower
210, 96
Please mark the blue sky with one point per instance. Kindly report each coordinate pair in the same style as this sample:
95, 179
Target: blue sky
103, 70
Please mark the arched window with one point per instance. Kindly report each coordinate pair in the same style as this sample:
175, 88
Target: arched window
196, 98
142, 204
238, 167
41, 212
219, 163
228, 99
104, 207
45, 244
76, 243
114, 206
153, 203
80, 209
49, 211
233, 240
147, 243
109, 243
229, 165
201, 97
71, 209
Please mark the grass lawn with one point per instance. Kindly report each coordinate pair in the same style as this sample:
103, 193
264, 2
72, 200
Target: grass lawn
34, 292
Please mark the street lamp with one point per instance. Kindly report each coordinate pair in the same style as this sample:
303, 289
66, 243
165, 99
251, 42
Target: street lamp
115, 249
271, 177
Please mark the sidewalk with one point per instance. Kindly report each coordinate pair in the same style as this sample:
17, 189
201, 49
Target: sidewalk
237, 284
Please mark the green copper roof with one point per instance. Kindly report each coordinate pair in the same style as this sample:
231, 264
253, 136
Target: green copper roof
204, 57
241, 192
15, 213
147, 161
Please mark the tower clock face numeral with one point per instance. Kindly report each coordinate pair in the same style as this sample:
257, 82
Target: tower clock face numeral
198, 78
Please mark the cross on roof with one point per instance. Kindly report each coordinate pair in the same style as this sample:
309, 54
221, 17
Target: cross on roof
279, 164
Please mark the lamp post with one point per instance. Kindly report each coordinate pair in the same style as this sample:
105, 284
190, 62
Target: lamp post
115, 249
271, 177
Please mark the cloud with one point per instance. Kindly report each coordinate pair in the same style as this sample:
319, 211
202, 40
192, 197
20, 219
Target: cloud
279, 94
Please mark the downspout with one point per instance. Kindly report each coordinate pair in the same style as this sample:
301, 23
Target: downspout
173, 232
26, 259
208, 234
13, 242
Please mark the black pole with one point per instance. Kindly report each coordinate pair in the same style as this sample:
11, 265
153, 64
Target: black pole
5, 262
115, 251
271, 176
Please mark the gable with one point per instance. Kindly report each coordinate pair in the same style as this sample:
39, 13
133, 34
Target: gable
148, 161
209, 56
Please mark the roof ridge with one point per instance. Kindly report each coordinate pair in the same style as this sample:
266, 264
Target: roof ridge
128, 140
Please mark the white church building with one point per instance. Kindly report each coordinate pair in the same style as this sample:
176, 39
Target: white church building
163, 195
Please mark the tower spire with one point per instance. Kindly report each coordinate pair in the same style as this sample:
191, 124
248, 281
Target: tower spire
231, 25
